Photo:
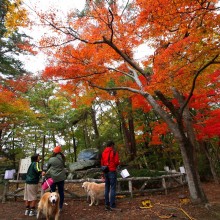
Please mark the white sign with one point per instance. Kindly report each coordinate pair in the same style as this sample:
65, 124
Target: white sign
9, 174
166, 168
24, 165
125, 173
182, 170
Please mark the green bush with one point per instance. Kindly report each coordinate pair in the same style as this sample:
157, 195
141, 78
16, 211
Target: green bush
144, 173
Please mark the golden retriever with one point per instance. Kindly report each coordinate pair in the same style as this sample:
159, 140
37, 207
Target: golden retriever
95, 191
49, 205
85, 187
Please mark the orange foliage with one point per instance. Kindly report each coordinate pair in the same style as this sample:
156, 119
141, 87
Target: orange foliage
208, 127
138, 101
204, 104
102, 42
21, 84
158, 130
26, 46
172, 29
10, 104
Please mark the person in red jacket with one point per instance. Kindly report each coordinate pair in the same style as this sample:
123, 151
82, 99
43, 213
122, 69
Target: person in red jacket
110, 158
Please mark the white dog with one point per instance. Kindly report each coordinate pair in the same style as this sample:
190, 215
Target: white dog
95, 191
49, 205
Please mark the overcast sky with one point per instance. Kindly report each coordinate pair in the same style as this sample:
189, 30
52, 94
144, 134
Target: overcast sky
37, 63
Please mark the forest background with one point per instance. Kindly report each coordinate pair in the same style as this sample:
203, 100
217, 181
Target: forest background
162, 110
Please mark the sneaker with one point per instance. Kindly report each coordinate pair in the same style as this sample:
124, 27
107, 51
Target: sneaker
32, 212
112, 209
27, 211
107, 208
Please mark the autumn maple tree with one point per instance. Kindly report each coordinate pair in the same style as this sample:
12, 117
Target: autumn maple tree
95, 48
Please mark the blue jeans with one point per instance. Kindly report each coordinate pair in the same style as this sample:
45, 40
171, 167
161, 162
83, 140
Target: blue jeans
110, 187
60, 186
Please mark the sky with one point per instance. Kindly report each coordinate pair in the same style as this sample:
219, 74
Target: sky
37, 63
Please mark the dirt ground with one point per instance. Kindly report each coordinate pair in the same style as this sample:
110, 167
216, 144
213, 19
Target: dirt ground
163, 207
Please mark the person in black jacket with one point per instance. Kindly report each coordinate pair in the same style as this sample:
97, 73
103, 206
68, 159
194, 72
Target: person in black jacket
31, 185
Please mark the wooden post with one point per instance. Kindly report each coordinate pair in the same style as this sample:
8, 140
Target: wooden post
6, 187
164, 185
19, 169
130, 188
118, 186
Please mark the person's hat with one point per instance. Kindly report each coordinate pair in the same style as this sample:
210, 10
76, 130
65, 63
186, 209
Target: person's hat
57, 149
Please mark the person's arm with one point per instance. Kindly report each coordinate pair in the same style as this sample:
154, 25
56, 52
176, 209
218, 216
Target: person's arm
49, 164
37, 167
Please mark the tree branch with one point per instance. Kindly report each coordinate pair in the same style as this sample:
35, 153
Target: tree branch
124, 56
119, 88
194, 83
111, 24
168, 104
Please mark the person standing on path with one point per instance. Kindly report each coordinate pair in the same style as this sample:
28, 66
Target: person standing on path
56, 170
110, 158
31, 185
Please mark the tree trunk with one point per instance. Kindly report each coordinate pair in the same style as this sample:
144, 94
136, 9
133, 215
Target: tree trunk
13, 151
124, 128
74, 148
128, 131
186, 146
86, 135
43, 151
1, 140
133, 149
94, 123
187, 119
210, 159
196, 192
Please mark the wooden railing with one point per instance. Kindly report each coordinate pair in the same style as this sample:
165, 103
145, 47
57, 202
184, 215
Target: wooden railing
126, 186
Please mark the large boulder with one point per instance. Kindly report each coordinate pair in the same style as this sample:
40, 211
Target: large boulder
88, 154
86, 159
81, 165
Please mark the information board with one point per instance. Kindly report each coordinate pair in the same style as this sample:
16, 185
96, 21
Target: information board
24, 164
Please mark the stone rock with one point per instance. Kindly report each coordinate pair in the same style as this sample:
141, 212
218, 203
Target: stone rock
80, 165
89, 154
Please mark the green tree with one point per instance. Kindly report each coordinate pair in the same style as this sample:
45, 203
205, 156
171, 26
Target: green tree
11, 44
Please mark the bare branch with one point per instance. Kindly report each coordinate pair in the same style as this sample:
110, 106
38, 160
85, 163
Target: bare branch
119, 88
135, 77
110, 25
119, 71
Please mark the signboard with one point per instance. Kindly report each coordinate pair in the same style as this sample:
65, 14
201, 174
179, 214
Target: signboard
24, 164
182, 170
9, 174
